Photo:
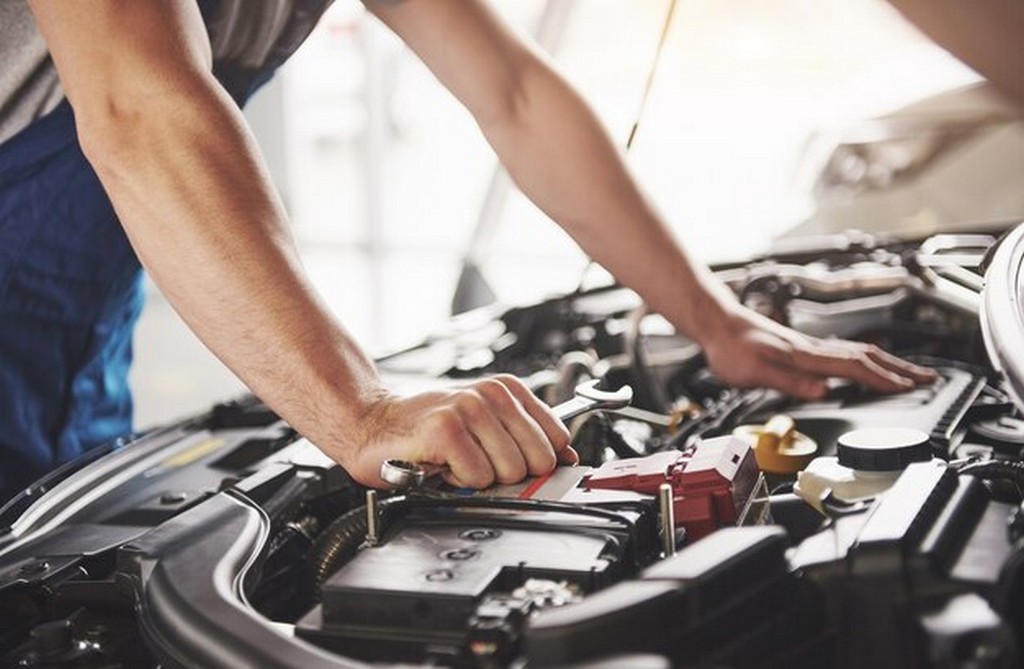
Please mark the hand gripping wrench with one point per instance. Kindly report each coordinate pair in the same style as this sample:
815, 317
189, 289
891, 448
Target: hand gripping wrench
587, 397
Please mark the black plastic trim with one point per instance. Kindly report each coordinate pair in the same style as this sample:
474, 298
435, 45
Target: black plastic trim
189, 577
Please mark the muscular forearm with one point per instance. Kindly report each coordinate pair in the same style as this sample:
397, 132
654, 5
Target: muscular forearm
192, 194
198, 207
563, 159
557, 152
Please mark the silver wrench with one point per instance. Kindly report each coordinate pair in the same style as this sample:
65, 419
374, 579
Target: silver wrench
589, 398
405, 474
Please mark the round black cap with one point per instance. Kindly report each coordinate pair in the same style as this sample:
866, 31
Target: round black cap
883, 449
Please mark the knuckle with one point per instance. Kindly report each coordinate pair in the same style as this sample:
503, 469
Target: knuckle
512, 473
495, 392
542, 463
510, 381
788, 352
468, 464
447, 422
492, 384
471, 403
846, 355
480, 477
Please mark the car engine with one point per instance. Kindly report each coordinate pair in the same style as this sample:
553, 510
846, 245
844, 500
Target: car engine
706, 525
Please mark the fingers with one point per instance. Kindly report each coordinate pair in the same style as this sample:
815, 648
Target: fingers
554, 430
498, 440
501, 420
468, 465
757, 349
799, 384
851, 363
568, 456
522, 421
900, 366
495, 430
864, 363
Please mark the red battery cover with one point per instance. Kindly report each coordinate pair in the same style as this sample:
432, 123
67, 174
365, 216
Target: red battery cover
711, 484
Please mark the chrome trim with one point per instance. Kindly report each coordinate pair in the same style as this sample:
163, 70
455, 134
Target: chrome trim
1002, 317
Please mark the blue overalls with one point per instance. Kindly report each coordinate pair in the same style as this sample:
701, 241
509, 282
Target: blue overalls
70, 284
69, 296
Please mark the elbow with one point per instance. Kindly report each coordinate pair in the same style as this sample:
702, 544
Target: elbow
508, 102
116, 128
505, 109
108, 128
532, 91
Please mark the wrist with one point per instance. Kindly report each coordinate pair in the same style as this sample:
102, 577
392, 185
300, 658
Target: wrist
347, 419
360, 419
714, 314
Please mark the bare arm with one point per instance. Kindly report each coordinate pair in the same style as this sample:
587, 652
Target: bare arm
988, 35
558, 153
192, 193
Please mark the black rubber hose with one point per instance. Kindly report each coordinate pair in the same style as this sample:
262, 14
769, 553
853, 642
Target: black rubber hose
336, 544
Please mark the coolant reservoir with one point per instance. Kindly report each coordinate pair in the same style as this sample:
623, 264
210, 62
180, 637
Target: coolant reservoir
869, 461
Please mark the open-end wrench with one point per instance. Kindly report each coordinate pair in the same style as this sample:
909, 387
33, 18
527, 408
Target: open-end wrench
405, 474
589, 398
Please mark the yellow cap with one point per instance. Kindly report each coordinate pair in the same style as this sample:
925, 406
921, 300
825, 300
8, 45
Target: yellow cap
778, 447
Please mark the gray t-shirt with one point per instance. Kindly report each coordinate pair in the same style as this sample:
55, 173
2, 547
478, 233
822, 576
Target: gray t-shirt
245, 35
29, 87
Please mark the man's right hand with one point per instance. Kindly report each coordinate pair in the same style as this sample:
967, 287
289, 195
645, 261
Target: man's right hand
492, 431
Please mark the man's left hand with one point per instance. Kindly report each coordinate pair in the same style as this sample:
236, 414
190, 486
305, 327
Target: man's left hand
751, 350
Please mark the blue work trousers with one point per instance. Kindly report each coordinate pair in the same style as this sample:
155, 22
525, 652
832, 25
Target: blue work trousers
69, 297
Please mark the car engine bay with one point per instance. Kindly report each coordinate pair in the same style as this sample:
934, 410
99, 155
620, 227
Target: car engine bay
706, 525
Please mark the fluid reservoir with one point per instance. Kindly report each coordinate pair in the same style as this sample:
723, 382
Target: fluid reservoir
869, 461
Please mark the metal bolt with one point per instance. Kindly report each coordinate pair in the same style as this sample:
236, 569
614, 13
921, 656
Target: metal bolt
480, 534
173, 497
440, 575
668, 520
372, 518
459, 554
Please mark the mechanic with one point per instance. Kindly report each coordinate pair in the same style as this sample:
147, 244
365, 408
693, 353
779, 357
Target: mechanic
149, 159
